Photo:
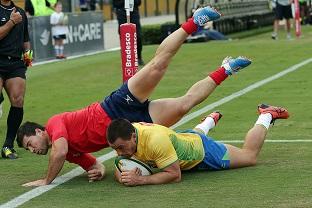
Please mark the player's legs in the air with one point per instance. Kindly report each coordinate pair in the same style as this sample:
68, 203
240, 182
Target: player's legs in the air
208, 122
247, 155
143, 83
168, 111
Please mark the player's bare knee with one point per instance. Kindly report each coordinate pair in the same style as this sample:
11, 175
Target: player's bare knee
17, 101
252, 159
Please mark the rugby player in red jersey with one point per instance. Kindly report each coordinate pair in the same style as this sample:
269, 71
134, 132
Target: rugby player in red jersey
73, 135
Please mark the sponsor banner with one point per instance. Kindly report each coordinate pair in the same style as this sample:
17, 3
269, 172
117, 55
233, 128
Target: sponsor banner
85, 34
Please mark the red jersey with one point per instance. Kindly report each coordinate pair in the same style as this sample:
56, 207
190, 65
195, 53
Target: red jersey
84, 130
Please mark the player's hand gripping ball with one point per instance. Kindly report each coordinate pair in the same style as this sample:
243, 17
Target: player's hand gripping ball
123, 163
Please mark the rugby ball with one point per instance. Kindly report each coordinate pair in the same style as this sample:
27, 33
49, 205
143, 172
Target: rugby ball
123, 163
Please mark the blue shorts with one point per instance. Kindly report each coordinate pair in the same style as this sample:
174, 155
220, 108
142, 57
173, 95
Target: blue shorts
216, 154
122, 104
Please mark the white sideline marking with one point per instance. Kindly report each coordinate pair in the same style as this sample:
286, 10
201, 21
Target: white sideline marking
17, 201
240, 93
77, 56
58, 181
272, 141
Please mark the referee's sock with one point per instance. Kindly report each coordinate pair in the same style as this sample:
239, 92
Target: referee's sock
14, 120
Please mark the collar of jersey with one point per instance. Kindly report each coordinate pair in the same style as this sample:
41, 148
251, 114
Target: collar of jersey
136, 138
8, 7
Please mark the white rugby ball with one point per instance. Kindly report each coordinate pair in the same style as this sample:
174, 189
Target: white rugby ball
123, 163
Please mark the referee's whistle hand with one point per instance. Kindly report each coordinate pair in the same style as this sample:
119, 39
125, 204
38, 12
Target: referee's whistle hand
16, 16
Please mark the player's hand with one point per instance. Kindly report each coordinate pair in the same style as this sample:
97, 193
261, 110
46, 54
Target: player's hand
96, 172
16, 17
40, 182
28, 58
131, 178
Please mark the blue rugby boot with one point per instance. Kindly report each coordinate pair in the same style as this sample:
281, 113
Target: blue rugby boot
233, 65
203, 15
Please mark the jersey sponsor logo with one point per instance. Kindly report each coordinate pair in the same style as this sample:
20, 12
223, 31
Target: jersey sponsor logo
3, 19
128, 99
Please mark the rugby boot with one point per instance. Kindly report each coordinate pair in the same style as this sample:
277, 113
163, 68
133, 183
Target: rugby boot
233, 65
203, 15
276, 112
216, 116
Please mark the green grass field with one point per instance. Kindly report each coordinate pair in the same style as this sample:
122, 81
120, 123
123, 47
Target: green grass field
282, 177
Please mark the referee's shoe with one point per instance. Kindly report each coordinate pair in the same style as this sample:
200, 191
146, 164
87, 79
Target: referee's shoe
8, 153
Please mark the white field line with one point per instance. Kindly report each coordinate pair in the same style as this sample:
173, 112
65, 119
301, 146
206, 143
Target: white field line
272, 141
17, 201
77, 56
58, 181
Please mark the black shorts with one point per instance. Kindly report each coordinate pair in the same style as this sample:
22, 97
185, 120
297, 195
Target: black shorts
283, 12
59, 37
12, 67
122, 104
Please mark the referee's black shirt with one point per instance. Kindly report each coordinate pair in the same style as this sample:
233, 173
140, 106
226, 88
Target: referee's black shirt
13, 43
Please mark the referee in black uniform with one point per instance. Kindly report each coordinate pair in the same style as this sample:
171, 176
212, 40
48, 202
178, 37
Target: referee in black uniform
119, 6
14, 59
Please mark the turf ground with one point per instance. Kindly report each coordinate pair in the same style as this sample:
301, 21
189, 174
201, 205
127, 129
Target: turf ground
282, 177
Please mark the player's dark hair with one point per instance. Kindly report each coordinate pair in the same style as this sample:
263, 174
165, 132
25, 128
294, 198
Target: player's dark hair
119, 128
27, 129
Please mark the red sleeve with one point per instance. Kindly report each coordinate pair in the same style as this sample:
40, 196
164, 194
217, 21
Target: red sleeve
85, 160
56, 128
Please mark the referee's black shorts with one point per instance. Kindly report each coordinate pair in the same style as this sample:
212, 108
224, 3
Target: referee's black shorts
282, 12
11, 67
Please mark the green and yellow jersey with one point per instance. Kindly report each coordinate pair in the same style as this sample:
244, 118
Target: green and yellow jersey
160, 146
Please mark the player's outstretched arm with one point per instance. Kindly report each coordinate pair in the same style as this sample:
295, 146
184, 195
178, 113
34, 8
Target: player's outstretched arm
56, 161
169, 174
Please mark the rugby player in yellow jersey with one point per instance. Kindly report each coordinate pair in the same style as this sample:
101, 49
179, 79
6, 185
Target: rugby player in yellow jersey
172, 152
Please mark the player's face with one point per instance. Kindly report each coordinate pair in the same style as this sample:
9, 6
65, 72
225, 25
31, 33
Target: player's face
125, 148
36, 144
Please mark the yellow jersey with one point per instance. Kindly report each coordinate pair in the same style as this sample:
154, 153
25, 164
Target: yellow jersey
160, 146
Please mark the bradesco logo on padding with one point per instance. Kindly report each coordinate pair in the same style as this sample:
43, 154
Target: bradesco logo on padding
128, 49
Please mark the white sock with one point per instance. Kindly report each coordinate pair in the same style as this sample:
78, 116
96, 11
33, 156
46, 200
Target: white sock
264, 120
56, 49
206, 125
61, 50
